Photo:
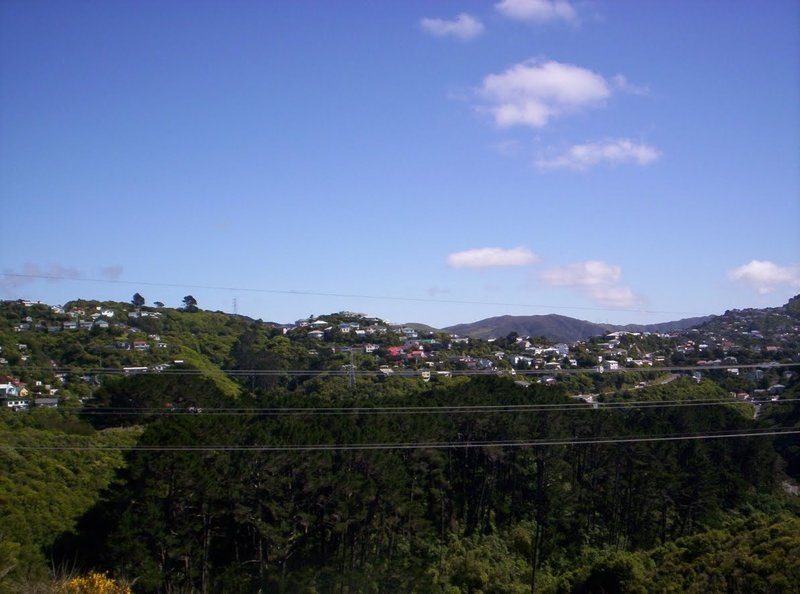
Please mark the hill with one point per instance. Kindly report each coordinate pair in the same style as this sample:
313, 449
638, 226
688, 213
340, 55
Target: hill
676, 326
559, 328
552, 326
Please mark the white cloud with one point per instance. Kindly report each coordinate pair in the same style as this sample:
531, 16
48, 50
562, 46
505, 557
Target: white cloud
491, 257
623, 84
765, 276
596, 279
585, 274
615, 296
618, 151
533, 92
537, 11
463, 27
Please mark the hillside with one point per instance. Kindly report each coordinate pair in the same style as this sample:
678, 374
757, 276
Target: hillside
767, 322
552, 326
676, 326
252, 463
560, 328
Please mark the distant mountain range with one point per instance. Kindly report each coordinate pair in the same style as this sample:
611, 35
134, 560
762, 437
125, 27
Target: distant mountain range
560, 328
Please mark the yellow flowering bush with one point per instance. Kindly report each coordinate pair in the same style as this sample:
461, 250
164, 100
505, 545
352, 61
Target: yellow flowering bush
93, 583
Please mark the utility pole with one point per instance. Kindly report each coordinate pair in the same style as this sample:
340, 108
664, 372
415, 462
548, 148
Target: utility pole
351, 374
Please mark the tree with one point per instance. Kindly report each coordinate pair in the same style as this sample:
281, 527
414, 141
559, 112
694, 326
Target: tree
190, 303
137, 300
158, 304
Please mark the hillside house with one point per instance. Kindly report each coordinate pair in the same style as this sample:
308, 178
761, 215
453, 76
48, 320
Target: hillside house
9, 391
394, 352
18, 404
45, 402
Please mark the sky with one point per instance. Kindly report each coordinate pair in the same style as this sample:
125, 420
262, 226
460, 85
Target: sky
436, 162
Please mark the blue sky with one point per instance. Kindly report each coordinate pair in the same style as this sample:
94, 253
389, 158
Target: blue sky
438, 162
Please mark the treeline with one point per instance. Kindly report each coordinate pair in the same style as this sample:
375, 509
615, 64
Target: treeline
46, 484
455, 519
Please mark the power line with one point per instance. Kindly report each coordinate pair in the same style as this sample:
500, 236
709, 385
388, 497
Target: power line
397, 373
345, 295
319, 447
410, 410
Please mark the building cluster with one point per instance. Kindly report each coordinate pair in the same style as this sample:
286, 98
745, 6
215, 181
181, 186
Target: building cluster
742, 344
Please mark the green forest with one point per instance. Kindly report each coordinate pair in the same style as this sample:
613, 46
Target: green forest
200, 480
682, 515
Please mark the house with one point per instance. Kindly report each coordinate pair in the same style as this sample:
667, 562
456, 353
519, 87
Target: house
394, 352
562, 349
133, 370
518, 360
45, 402
9, 391
86, 325
141, 345
123, 345
101, 324
610, 365
18, 404
316, 335
70, 325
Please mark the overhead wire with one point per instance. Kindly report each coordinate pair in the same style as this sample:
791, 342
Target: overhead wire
413, 445
409, 410
341, 295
